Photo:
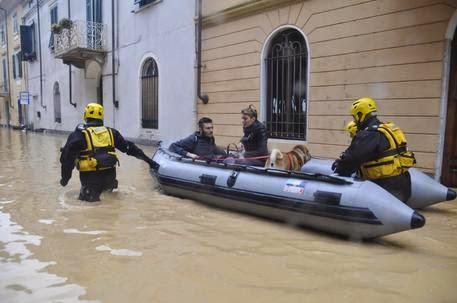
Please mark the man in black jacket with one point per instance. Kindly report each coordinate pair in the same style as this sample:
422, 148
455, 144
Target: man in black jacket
92, 148
201, 144
378, 151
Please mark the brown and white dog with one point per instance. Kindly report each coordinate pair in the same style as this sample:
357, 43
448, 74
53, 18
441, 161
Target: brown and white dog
292, 160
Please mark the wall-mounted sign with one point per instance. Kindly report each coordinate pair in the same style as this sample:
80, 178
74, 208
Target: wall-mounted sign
24, 98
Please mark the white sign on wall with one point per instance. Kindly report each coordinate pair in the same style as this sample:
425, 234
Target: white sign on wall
24, 98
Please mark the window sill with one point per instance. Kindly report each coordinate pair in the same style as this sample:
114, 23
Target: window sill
275, 142
137, 10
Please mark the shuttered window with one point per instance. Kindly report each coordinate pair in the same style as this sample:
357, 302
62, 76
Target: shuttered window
28, 43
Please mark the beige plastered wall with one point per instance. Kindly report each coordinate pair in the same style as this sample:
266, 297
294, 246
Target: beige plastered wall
390, 50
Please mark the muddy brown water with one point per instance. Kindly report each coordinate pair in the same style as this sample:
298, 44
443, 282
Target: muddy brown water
139, 245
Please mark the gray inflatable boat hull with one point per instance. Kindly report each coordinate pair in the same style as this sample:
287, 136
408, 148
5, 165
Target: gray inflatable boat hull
425, 191
297, 198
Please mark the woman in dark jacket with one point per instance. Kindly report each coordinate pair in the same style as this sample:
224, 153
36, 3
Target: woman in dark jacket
255, 138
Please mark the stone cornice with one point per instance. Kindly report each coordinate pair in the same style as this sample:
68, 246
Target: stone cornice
245, 9
30, 13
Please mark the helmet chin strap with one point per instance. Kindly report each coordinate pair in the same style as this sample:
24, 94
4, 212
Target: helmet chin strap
92, 121
358, 119
368, 117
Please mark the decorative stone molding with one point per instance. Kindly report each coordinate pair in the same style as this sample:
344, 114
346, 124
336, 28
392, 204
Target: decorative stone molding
245, 9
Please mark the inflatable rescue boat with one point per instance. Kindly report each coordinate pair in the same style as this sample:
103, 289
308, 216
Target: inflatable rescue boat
425, 191
344, 206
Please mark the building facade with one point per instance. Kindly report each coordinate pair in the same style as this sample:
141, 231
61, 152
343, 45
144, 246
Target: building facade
13, 73
69, 47
302, 63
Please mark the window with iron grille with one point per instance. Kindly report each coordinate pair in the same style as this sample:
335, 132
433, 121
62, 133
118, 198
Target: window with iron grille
150, 95
54, 20
142, 3
54, 15
15, 24
17, 65
57, 104
287, 70
5, 75
2, 35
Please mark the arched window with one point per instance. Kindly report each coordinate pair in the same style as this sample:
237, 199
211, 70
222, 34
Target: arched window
150, 95
57, 110
287, 82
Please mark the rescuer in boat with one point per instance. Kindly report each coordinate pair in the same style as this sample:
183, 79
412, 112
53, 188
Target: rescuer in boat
201, 144
352, 129
378, 150
91, 147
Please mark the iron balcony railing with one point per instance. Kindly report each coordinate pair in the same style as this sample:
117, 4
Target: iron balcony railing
86, 35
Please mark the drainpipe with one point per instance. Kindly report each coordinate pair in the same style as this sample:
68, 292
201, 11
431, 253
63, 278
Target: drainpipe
11, 105
204, 98
41, 58
70, 86
113, 60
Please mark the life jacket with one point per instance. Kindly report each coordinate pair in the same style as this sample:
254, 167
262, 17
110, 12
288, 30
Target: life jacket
392, 162
100, 153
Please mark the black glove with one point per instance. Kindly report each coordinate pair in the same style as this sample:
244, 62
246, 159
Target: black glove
152, 164
63, 182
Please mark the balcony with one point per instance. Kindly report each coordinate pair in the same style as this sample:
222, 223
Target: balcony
82, 42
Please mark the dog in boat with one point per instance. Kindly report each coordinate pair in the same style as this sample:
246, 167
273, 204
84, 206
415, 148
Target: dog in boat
292, 160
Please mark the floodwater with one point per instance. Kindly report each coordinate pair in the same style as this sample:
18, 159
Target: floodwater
139, 245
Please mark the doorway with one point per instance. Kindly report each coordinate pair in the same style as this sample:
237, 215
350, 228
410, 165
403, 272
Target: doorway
449, 168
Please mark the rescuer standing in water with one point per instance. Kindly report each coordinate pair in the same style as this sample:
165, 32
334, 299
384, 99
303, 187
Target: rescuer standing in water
92, 149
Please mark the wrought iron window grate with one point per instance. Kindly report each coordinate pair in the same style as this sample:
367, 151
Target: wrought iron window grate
287, 86
142, 3
150, 95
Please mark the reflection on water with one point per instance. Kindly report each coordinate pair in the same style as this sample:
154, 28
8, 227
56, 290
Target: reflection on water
138, 245
90, 232
119, 252
23, 278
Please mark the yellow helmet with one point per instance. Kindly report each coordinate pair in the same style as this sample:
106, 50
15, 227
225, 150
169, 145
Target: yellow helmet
361, 108
93, 111
351, 128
